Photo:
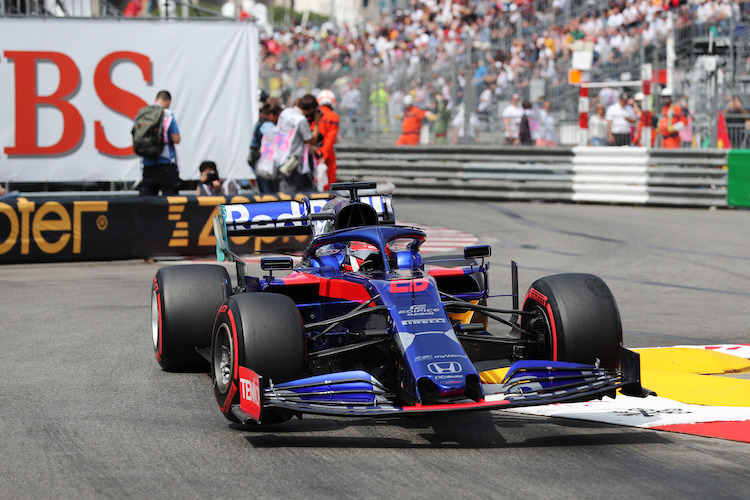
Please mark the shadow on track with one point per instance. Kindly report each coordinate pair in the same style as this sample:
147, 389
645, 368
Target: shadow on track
467, 431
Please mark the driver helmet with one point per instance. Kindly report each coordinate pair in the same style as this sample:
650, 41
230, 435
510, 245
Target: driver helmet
357, 253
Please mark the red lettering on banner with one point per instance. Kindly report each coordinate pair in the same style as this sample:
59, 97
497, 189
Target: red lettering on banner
27, 102
405, 286
117, 99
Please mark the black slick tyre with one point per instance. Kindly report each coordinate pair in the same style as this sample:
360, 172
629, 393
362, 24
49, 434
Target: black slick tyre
184, 303
262, 332
575, 318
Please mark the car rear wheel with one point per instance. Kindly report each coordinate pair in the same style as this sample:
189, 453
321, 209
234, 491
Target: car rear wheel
575, 318
262, 332
184, 302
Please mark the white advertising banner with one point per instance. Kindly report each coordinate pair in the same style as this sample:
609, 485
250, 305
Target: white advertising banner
70, 89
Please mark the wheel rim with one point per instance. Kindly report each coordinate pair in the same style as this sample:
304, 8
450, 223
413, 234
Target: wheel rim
223, 357
540, 326
155, 320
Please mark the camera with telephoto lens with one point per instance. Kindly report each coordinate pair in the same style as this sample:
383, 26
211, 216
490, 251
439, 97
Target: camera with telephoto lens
211, 176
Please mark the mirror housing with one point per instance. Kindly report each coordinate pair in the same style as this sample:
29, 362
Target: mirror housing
477, 251
276, 263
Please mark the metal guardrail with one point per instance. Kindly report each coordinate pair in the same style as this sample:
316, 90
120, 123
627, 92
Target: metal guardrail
581, 174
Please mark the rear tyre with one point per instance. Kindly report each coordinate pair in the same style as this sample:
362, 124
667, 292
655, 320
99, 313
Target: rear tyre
184, 302
260, 331
575, 319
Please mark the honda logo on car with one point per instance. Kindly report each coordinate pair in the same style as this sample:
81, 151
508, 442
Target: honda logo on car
444, 367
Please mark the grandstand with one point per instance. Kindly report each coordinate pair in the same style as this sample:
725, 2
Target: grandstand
458, 48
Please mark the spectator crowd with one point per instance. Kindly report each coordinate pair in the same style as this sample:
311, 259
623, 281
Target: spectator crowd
453, 55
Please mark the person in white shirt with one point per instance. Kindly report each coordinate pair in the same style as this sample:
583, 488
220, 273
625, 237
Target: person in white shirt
458, 124
484, 104
620, 119
547, 133
598, 127
512, 115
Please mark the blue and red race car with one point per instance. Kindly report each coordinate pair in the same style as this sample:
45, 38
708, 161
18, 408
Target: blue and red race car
365, 325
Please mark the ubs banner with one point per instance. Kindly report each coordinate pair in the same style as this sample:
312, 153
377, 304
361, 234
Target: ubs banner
72, 87
57, 229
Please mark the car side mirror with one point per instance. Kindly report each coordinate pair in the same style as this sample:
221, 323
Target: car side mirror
276, 263
477, 251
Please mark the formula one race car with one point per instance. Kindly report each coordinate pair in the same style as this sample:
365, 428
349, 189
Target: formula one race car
365, 325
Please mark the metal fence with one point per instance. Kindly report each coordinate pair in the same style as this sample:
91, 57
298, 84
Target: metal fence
707, 83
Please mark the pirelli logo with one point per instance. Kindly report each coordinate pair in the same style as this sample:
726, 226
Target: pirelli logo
537, 296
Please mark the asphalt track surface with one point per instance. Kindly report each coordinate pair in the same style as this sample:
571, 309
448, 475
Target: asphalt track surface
85, 411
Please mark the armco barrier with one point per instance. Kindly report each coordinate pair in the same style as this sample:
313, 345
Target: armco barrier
56, 227
583, 174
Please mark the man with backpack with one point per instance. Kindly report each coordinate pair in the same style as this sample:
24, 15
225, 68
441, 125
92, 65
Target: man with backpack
155, 134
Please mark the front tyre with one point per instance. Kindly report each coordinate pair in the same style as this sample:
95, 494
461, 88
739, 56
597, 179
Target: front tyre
575, 318
184, 302
260, 331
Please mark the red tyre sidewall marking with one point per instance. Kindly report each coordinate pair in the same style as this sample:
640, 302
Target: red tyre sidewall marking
235, 368
543, 301
554, 332
158, 304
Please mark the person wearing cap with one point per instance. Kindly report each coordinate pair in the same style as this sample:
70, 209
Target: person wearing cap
412, 122
512, 115
620, 117
671, 122
327, 121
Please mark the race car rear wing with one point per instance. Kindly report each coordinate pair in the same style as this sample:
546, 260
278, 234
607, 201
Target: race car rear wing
283, 218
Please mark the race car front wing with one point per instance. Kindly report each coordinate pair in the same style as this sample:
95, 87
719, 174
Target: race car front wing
357, 393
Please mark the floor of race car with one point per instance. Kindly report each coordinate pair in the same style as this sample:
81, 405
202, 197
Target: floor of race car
701, 390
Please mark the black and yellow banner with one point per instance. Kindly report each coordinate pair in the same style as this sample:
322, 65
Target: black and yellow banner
49, 228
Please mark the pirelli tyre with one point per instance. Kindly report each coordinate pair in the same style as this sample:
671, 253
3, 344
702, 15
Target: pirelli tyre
262, 332
574, 318
184, 303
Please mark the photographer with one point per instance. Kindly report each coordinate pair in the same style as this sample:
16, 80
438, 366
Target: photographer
212, 185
